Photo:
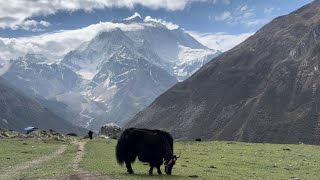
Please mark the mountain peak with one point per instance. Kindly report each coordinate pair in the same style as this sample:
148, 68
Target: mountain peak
135, 18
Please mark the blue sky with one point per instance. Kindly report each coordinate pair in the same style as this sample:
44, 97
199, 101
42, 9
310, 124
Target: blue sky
219, 24
208, 16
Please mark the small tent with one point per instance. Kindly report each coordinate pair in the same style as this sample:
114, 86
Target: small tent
30, 129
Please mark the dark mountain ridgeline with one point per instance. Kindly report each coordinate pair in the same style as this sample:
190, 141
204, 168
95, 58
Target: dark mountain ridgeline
264, 90
18, 111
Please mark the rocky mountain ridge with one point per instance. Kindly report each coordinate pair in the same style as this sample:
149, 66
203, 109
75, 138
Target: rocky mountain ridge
264, 90
18, 111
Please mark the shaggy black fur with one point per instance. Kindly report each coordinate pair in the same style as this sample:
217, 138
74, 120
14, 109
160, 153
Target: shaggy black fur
152, 146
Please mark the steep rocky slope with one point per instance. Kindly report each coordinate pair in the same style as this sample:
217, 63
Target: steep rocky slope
264, 90
18, 111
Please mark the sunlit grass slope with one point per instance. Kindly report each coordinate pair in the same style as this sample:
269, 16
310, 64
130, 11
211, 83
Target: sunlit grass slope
215, 160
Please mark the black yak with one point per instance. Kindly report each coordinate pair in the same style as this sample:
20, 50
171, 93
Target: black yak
152, 146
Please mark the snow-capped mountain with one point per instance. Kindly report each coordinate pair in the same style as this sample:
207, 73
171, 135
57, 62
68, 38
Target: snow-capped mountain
30, 74
173, 50
123, 86
127, 83
115, 75
33, 58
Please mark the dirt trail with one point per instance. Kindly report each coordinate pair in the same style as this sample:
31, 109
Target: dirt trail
80, 153
13, 171
80, 174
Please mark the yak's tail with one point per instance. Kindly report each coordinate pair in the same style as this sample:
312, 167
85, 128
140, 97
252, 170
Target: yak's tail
121, 147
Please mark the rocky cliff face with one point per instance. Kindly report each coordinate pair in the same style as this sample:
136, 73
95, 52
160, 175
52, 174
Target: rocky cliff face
264, 90
127, 83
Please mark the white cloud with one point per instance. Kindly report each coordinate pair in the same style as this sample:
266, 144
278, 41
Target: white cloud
241, 15
15, 12
243, 8
32, 25
220, 41
4, 66
44, 23
224, 16
55, 45
169, 25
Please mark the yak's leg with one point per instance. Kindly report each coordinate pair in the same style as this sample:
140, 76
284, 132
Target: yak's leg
151, 169
129, 168
158, 169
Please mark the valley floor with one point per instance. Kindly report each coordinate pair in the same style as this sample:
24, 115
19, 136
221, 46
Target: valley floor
95, 159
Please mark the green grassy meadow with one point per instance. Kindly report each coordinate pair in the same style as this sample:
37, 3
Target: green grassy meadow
55, 167
15, 151
19, 150
215, 160
199, 160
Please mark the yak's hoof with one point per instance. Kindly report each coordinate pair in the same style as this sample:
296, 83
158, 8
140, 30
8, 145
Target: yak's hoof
130, 172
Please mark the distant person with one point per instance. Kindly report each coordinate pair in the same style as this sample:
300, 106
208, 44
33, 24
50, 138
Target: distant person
90, 134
